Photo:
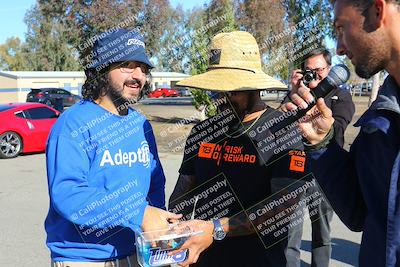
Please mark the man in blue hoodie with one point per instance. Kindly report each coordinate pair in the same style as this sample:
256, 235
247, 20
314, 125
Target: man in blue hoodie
363, 184
104, 175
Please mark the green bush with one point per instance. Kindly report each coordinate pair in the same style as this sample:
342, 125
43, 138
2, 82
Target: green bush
202, 100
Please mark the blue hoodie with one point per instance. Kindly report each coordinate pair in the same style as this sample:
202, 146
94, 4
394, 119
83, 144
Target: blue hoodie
363, 185
103, 170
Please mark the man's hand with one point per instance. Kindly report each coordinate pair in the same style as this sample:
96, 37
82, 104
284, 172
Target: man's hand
317, 123
158, 219
196, 243
300, 97
297, 76
319, 119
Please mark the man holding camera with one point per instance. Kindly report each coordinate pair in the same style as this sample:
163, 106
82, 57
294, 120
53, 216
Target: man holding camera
363, 184
315, 68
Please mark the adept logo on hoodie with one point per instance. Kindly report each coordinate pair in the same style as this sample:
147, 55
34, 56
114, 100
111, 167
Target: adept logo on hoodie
142, 155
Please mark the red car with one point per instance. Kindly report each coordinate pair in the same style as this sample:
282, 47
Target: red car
163, 92
24, 128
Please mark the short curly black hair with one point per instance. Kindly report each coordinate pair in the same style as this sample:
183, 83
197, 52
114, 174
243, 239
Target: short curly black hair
97, 84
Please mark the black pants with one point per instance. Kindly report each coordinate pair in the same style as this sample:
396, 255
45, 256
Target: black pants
320, 216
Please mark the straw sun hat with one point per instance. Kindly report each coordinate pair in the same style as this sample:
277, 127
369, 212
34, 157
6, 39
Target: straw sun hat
234, 65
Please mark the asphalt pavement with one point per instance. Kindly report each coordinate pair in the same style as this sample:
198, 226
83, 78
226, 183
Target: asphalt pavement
24, 203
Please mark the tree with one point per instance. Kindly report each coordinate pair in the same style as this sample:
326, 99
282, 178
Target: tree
11, 55
92, 17
303, 27
217, 17
157, 18
47, 44
174, 46
251, 17
198, 61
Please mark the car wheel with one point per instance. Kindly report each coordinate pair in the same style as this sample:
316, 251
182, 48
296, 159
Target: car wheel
10, 145
163, 95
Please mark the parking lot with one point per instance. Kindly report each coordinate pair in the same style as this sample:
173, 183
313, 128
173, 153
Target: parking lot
24, 203
24, 199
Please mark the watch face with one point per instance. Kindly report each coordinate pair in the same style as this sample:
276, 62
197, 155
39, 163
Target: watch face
219, 234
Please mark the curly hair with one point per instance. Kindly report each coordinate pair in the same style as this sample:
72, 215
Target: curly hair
97, 85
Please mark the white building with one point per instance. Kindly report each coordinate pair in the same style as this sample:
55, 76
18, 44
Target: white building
15, 85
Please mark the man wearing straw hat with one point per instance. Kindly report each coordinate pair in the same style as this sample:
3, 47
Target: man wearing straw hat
233, 163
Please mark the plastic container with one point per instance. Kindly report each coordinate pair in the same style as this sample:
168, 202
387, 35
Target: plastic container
153, 247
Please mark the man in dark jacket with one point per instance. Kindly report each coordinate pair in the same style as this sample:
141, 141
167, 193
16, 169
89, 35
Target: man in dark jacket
318, 64
363, 184
339, 101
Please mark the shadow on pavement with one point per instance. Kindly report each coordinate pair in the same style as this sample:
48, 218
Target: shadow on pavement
342, 250
167, 101
172, 120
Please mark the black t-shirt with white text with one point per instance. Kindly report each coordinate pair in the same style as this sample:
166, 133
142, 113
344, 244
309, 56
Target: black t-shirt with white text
248, 158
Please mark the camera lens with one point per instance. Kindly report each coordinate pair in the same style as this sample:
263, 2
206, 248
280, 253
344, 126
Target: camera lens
309, 76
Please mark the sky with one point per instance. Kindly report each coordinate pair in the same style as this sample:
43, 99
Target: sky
12, 18
12, 15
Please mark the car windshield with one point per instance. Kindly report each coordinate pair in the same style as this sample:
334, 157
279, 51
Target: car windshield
5, 107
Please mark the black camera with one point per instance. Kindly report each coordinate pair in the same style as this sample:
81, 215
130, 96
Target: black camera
309, 76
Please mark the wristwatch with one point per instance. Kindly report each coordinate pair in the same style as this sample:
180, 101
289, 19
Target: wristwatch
219, 232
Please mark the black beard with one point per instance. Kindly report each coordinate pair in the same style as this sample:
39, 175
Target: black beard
119, 100
372, 63
367, 72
